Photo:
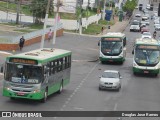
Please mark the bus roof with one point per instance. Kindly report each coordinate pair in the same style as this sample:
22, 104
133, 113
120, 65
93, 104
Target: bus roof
42, 54
149, 41
114, 34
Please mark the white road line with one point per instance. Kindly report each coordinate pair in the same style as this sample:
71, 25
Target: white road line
81, 83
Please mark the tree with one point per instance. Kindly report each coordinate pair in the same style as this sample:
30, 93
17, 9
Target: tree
38, 8
130, 5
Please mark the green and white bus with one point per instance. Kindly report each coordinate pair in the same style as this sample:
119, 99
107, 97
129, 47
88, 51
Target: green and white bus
36, 74
146, 58
112, 47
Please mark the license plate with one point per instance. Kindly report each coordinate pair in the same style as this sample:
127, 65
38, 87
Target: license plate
20, 93
110, 60
146, 71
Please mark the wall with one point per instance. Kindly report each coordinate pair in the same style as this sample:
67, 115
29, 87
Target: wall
15, 46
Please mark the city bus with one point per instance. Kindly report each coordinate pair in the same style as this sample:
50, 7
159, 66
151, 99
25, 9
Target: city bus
112, 47
146, 58
36, 74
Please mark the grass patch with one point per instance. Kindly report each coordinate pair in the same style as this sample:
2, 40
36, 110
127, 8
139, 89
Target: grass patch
24, 30
93, 29
12, 7
10, 24
4, 40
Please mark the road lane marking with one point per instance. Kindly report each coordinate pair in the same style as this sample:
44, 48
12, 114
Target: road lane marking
80, 84
115, 107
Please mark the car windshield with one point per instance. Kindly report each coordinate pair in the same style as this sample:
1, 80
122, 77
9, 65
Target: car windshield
147, 33
24, 73
135, 23
110, 75
147, 54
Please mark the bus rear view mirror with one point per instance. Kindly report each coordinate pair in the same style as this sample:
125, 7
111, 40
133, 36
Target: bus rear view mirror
132, 51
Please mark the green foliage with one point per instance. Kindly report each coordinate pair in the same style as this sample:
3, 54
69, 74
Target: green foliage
130, 5
38, 8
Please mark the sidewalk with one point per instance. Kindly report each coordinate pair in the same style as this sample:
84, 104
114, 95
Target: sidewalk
117, 27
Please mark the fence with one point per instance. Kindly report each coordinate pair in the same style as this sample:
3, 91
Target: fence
36, 33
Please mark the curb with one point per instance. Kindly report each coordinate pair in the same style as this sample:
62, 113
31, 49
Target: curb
86, 60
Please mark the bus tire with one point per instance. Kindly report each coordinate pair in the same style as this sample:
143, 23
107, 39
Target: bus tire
134, 73
155, 74
60, 88
45, 96
12, 98
102, 62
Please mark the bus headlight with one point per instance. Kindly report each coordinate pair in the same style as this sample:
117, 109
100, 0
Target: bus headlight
35, 91
7, 88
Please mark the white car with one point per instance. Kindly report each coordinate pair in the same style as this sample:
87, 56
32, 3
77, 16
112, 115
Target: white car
135, 26
156, 24
145, 17
145, 22
148, 6
110, 79
146, 35
157, 27
137, 15
156, 21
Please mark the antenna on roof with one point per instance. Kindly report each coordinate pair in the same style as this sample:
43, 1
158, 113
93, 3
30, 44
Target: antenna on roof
48, 50
34, 54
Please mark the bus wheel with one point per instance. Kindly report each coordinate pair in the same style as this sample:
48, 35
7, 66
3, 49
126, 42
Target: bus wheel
61, 88
102, 62
155, 74
45, 96
12, 98
134, 73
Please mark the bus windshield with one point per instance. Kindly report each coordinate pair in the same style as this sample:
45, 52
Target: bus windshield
111, 47
147, 55
27, 74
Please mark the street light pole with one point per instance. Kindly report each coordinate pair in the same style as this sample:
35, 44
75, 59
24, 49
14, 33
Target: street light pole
80, 24
56, 21
44, 27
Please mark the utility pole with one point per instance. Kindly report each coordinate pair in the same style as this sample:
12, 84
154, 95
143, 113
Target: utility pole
44, 27
80, 24
56, 21
104, 8
87, 14
18, 10
7, 10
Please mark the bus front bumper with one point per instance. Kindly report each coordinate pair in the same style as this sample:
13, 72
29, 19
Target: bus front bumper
144, 71
34, 96
121, 59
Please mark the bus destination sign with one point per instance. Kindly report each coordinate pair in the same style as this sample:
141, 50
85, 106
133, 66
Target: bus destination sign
23, 61
112, 39
148, 47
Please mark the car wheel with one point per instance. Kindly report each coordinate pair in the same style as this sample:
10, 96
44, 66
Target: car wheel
100, 88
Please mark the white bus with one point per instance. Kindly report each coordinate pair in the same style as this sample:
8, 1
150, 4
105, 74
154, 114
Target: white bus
146, 58
112, 47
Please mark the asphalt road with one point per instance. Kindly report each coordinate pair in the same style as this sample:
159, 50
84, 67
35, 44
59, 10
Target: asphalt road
138, 93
